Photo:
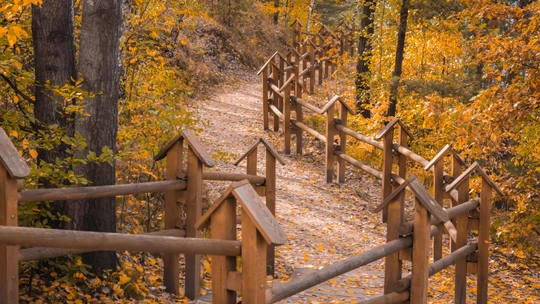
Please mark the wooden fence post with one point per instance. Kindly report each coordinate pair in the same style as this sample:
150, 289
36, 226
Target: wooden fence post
312, 68
420, 262
275, 97
259, 229
483, 233
287, 120
331, 130
387, 134
270, 187
329, 173
171, 270
299, 110
439, 192
12, 168
197, 158
223, 228
266, 117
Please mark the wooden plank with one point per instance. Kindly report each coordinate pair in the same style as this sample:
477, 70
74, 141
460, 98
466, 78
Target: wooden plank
10, 158
251, 167
429, 202
276, 96
395, 193
461, 223
234, 281
390, 126
99, 191
332, 101
9, 275
393, 265
254, 251
387, 169
483, 240
299, 117
329, 164
262, 218
271, 205
171, 264
272, 150
420, 261
204, 220
223, 228
197, 148
265, 65
266, 118
342, 143
193, 213
438, 193
287, 120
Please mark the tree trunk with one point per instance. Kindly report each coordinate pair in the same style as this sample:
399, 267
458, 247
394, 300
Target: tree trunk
99, 66
365, 54
403, 15
276, 14
54, 62
311, 6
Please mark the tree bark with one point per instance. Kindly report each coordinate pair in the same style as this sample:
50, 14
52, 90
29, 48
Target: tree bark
54, 62
396, 75
276, 14
365, 54
99, 66
311, 6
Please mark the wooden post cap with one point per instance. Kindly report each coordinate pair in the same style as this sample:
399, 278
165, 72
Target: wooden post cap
252, 204
193, 144
390, 126
332, 101
474, 167
268, 147
10, 158
444, 151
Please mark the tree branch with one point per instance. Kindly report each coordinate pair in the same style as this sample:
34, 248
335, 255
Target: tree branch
16, 89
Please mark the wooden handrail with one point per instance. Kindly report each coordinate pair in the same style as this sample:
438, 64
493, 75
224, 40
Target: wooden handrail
359, 136
302, 126
289, 289
306, 105
408, 227
233, 177
103, 241
39, 253
277, 112
441, 264
98, 191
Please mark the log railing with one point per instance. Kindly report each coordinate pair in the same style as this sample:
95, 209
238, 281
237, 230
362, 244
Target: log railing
431, 219
183, 191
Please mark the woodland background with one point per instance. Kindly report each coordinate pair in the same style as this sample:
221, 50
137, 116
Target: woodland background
469, 75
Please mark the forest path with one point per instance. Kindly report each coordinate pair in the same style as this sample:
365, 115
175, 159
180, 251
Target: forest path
325, 223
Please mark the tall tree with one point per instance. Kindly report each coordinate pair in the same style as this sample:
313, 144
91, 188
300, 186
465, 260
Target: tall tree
54, 63
99, 66
396, 75
365, 50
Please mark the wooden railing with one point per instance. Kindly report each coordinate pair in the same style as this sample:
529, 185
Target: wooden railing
284, 81
183, 191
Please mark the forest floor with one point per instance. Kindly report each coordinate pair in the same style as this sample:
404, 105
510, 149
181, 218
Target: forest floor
326, 223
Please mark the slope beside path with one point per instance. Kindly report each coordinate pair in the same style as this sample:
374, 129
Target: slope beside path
324, 222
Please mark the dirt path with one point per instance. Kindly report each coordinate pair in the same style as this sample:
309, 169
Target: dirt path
324, 222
